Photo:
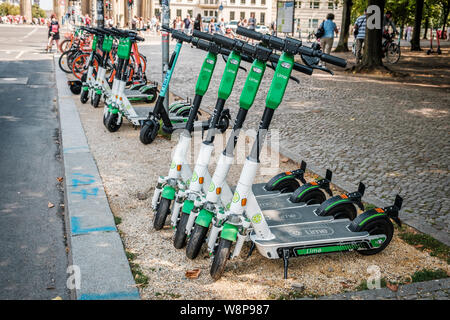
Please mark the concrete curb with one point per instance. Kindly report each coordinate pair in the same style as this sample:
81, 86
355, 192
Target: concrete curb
95, 245
428, 290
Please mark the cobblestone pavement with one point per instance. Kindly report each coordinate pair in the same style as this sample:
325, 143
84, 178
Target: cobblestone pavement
429, 290
391, 136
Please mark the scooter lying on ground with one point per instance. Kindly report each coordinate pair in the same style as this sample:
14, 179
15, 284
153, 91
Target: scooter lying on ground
152, 124
369, 233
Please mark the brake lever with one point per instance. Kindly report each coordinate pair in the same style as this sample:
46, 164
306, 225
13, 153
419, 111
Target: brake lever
323, 69
295, 79
313, 62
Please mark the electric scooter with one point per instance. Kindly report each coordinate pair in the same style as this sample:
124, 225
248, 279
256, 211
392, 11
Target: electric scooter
168, 192
275, 194
370, 233
152, 123
431, 50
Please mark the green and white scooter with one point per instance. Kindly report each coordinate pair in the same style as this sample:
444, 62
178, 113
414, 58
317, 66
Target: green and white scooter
282, 191
166, 193
370, 233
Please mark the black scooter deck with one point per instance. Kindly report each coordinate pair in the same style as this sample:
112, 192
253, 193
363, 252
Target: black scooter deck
303, 215
277, 201
259, 190
311, 234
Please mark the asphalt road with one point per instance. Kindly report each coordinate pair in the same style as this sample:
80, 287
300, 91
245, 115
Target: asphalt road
33, 258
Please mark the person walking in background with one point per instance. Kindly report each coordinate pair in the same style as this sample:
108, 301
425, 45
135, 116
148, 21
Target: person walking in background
252, 21
359, 31
329, 28
53, 33
187, 24
408, 33
198, 24
212, 26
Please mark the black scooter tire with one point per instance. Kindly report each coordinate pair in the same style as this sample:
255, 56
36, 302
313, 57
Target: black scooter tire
380, 225
111, 122
179, 239
315, 196
148, 132
96, 100
84, 96
220, 259
345, 211
198, 236
161, 213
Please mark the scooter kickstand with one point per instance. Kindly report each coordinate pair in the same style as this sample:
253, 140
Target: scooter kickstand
286, 262
252, 248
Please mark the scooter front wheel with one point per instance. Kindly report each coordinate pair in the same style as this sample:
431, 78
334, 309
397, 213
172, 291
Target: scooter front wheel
84, 96
96, 100
111, 122
220, 259
148, 132
196, 240
161, 213
179, 239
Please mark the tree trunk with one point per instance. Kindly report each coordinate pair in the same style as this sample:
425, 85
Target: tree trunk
415, 41
342, 45
427, 24
372, 57
446, 12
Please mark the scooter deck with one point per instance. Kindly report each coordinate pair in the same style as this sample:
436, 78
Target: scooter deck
259, 190
135, 94
313, 235
277, 201
288, 216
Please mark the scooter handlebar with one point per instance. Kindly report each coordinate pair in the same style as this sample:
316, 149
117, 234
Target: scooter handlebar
202, 35
249, 33
333, 60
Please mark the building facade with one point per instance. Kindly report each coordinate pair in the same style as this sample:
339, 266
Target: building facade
309, 14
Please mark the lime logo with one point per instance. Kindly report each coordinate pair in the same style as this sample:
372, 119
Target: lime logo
194, 176
172, 165
211, 187
228, 206
257, 218
236, 197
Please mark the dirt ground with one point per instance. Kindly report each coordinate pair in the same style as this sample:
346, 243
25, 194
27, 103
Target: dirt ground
129, 171
413, 68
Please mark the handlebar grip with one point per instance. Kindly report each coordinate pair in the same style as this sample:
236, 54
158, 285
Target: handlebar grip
334, 60
224, 41
249, 33
201, 44
202, 35
139, 38
181, 36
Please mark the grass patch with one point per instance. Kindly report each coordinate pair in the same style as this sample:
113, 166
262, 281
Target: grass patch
117, 220
363, 285
422, 241
292, 295
140, 278
369, 206
427, 275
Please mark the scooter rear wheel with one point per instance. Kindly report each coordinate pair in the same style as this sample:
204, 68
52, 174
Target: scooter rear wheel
179, 239
379, 225
111, 122
313, 197
343, 211
196, 240
220, 259
148, 132
161, 214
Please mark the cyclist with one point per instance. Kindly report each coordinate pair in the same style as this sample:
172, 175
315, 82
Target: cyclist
359, 31
387, 22
53, 33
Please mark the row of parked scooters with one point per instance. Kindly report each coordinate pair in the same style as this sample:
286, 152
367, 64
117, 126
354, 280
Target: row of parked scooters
283, 218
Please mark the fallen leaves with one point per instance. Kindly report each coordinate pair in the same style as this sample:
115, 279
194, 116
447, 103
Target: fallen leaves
50, 205
284, 159
193, 274
60, 179
392, 287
